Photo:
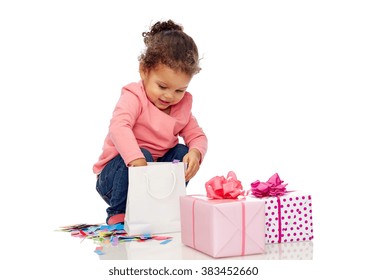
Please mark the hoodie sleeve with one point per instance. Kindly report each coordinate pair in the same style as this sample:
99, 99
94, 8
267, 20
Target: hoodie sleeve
127, 110
194, 136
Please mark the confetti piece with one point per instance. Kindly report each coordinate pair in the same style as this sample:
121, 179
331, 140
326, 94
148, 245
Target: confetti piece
115, 241
99, 250
105, 233
166, 241
146, 236
157, 237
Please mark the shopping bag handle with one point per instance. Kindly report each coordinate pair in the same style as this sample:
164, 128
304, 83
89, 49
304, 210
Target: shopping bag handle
164, 196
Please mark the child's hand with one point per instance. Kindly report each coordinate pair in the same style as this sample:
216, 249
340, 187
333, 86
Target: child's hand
138, 162
192, 158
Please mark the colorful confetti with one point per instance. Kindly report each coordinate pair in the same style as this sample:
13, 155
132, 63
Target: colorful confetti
109, 235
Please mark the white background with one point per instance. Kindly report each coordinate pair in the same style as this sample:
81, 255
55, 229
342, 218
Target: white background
280, 90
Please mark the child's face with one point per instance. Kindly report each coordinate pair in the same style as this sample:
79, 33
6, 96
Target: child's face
164, 86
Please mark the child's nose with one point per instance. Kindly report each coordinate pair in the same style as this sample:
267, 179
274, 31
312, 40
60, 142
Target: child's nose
168, 95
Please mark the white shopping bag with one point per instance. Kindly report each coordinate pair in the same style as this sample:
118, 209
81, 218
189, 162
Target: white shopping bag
153, 204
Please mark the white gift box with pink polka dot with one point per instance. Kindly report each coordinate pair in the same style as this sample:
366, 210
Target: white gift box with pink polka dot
288, 218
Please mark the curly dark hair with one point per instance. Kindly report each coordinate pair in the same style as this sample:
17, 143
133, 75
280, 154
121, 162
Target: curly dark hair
166, 43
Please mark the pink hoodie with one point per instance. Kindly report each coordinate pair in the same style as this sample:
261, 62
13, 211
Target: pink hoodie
136, 123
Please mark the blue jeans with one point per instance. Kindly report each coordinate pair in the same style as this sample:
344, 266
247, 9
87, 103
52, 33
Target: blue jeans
113, 182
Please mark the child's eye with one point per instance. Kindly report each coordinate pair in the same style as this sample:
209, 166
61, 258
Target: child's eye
180, 91
162, 87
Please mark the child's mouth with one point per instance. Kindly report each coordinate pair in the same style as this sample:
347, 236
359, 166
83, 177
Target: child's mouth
164, 102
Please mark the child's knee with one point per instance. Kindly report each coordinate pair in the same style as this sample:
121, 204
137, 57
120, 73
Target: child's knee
182, 149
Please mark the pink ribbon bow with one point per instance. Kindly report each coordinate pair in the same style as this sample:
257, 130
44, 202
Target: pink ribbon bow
273, 187
219, 187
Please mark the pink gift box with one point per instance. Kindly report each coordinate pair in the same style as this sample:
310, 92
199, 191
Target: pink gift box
223, 227
288, 218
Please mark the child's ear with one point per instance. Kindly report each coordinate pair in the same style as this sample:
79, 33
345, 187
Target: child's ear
142, 71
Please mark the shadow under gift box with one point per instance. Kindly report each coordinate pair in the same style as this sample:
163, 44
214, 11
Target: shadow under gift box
223, 227
290, 251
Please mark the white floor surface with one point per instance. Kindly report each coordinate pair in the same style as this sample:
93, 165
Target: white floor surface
175, 250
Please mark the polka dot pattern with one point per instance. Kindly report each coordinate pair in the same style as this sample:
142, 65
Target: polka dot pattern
288, 218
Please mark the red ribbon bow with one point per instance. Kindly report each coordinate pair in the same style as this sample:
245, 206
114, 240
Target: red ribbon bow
273, 187
219, 187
